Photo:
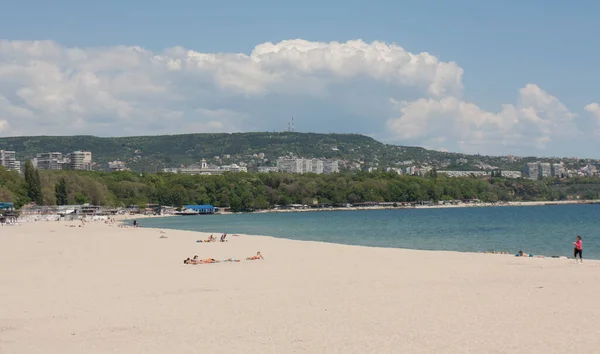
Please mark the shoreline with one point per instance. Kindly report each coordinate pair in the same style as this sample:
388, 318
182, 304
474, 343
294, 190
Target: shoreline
436, 206
29, 217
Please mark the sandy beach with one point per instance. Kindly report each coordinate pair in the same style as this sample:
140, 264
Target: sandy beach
106, 289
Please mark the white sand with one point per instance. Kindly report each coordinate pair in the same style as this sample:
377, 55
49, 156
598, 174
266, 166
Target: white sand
102, 289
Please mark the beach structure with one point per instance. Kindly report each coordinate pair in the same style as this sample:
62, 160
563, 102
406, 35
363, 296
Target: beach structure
6, 206
197, 210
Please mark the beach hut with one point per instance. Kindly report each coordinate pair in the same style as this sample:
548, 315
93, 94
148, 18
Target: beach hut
201, 209
7, 206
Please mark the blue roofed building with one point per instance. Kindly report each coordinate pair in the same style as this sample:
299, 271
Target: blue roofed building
200, 209
6, 206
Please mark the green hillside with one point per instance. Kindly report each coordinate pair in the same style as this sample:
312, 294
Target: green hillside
151, 153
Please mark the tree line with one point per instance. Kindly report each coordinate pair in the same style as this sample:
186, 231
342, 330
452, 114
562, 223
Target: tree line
251, 191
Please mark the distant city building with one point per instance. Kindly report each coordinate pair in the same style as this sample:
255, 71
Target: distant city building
307, 166
511, 174
267, 169
558, 170
331, 166
422, 171
79, 160
51, 161
290, 165
205, 169
464, 173
114, 166
317, 166
8, 159
589, 170
394, 169
298, 165
545, 170
234, 168
532, 170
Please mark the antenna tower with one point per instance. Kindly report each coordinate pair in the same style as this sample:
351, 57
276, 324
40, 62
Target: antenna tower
293, 127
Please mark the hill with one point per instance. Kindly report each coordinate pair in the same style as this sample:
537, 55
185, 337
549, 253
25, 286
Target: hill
152, 153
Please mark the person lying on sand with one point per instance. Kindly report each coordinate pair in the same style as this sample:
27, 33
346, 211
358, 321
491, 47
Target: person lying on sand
258, 256
521, 254
211, 238
196, 260
230, 260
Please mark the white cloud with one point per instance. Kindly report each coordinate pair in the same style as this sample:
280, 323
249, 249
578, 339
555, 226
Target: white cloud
594, 109
533, 122
46, 88
130, 90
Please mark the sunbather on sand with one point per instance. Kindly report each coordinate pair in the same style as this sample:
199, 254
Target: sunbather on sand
230, 260
195, 260
258, 256
521, 254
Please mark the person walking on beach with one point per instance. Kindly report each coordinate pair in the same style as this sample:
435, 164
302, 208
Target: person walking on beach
578, 249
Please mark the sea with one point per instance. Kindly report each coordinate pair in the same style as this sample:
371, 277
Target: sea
548, 230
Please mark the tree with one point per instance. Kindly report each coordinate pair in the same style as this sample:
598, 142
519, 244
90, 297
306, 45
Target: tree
32, 183
80, 198
433, 173
60, 189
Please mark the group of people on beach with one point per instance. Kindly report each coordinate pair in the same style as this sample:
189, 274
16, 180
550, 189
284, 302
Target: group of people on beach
197, 260
211, 238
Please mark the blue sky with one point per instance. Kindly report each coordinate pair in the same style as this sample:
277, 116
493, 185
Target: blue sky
500, 46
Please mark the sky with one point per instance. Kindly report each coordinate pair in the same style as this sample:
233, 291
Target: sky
502, 77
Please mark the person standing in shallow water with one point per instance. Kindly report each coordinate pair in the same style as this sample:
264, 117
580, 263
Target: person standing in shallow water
578, 249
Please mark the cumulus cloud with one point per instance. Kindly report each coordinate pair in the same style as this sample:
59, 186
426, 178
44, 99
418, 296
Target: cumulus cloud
594, 109
354, 86
46, 88
533, 122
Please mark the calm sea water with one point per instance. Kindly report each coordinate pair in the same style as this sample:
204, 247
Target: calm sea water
547, 230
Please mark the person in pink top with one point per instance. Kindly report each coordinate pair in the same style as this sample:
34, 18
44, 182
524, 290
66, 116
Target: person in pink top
578, 249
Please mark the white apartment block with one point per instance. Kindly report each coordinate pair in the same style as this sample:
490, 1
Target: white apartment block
234, 168
307, 165
532, 170
331, 166
8, 159
205, 169
290, 165
558, 170
267, 169
463, 173
545, 170
114, 166
511, 174
50, 161
317, 166
293, 165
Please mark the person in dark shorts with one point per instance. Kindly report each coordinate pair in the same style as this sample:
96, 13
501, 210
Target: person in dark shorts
578, 250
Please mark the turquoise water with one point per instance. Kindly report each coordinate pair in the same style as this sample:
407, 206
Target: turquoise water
546, 230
